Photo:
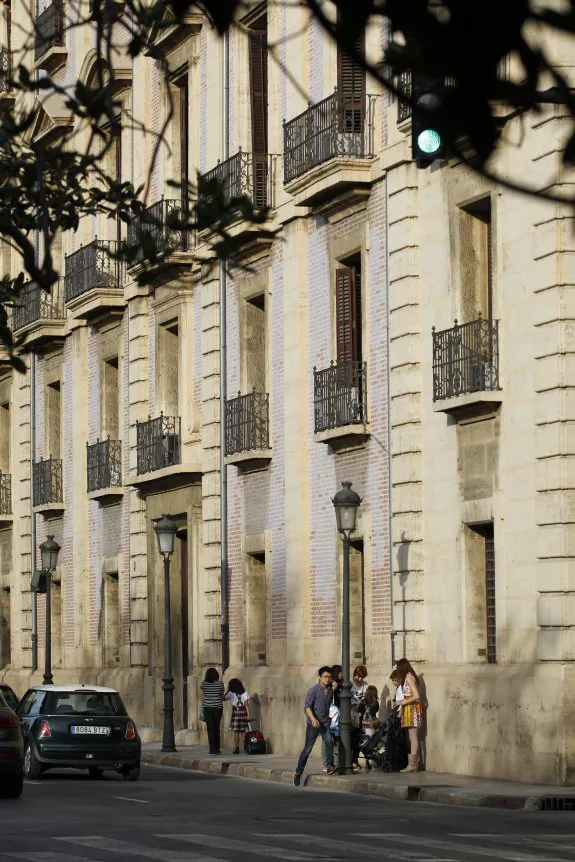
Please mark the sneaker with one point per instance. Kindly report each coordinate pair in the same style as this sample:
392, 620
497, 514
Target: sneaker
330, 769
296, 779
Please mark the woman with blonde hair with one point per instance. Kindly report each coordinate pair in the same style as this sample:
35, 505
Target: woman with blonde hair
411, 709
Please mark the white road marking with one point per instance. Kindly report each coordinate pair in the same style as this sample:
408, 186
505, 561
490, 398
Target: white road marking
334, 844
493, 852
246, 847
131, 799
38, 783
130, 849
45, 856
543, 842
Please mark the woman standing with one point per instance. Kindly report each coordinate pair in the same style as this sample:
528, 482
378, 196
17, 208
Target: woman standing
213, 697
241, 715
359, 685
411, 709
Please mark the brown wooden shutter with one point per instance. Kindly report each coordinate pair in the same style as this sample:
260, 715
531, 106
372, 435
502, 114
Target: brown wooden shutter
347, 299
259, 90
351, 87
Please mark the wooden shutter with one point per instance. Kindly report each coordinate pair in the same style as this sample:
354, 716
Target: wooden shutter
351, 87
184, 135
348, 314
259, 90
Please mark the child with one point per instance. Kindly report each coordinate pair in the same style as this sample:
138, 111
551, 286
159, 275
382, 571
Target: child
241, 715
369, 707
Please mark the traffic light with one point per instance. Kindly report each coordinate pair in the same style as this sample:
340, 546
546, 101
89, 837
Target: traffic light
427, 140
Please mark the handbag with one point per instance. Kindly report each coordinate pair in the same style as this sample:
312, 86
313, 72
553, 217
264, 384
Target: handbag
202, 716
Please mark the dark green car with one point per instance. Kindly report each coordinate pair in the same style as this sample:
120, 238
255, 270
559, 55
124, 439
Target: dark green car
78, 726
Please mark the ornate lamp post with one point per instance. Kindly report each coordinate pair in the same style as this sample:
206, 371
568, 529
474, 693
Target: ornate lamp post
49, 551
166, 533
346, 503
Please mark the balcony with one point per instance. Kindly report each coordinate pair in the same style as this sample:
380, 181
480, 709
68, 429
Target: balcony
328, 153
157, 230
104, 470
6, 91
466, 367
244, 175
340, 404
403, 84
39, 316
5, 499
248, 431
94, 280
158, 456
50, 40
47, 493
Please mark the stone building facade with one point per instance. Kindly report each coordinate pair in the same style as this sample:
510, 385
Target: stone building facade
457, 439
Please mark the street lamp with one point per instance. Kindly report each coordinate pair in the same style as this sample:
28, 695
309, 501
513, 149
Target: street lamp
346, 503
49, 551
166, 533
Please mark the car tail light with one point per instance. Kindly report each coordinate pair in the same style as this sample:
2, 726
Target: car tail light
45, 731
130, 730
8, 718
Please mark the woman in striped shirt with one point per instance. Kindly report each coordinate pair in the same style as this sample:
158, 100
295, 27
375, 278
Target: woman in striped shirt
213, 694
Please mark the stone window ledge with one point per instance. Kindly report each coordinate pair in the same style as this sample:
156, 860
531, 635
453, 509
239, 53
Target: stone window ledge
323, 182
41, 332
107, 496
6, 520
95, 301
50, 510
345, 437
167, 479
470, 403
250, 461
52, 59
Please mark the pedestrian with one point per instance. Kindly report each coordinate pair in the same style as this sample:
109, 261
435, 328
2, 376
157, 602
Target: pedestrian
241, 714
409, 704
317, 703
336, 682
212, 689
368, 708
358, 684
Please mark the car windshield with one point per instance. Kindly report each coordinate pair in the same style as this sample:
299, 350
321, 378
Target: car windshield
87, 703
9, 697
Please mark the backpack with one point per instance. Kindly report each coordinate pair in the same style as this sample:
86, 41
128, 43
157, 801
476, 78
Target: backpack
254, 742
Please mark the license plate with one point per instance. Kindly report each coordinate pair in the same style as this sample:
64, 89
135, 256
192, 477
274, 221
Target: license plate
86, 728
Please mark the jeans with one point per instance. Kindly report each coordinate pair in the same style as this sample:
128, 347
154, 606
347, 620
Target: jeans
311, 734
213, 718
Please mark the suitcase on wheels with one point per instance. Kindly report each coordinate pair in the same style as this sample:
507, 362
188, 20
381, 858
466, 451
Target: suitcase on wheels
254, 742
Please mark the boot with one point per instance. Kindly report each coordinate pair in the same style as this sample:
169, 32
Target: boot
412, 763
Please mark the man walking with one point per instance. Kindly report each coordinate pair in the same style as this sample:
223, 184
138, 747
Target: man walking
316, 707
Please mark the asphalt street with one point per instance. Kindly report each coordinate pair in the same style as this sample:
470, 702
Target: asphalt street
175, 815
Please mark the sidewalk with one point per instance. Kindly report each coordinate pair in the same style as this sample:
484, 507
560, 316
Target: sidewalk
414, 787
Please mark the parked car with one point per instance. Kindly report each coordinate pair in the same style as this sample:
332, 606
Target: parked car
78, 726
9, 696
11, 749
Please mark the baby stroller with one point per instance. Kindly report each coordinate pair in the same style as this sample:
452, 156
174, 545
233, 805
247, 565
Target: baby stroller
387, 748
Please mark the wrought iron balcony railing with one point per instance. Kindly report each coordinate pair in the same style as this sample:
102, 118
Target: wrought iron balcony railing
104, 464
5, 494
466, 359
159, 222
158, 443
340, 395
36, 304
335, 127
247, 423
5, 70
93, 265
248, 175
47, 481
50, 29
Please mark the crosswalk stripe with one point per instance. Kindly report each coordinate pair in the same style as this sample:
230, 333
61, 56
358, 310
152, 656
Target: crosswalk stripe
348, 847
242, 846
451, 846
46, 856
130, 849
538, 843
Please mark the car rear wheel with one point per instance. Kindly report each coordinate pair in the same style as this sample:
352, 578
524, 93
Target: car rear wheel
131, 774
12, 788
32, 767
95, 772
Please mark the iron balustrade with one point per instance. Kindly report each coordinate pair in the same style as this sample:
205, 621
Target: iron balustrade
94, 265
403, 86
248, 175
158, 222
5, 494
466, 359
47, 481
104, 464
35, 304
158, 443
50, 29
340, 395
247, 423
333, 128
5, 70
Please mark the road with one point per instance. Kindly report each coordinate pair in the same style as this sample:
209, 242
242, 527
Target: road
175, 815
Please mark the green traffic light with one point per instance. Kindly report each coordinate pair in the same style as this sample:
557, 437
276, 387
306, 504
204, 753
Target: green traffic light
429, 141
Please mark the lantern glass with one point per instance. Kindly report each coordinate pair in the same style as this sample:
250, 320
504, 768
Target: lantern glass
49, 551
166, 533
346, 503
346, 517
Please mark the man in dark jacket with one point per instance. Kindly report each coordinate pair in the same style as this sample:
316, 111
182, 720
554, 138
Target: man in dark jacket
316, 707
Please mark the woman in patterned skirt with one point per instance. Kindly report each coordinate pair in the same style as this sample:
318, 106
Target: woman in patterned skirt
241, 715
411, 709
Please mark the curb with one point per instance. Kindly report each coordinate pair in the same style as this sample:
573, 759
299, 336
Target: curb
405, 793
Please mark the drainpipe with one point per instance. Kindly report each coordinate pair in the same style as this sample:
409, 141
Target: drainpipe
32, 514
225, 627
389, 459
